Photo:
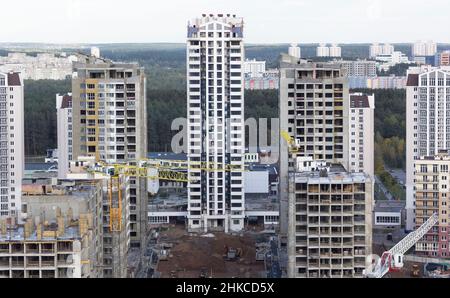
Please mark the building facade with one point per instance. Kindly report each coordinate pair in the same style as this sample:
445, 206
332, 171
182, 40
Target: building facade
254, 68
432, 192
322, 50
330, 223
360, 68
12, 156
314, 110
424, 48
43, 66
361, 134
64, 129
392, 59
295, 51
427, 123
387, 82
380, 49
216, 134
61, 237
108, 118
335, 51
268, 80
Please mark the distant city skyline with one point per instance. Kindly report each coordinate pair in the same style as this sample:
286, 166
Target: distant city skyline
266, 21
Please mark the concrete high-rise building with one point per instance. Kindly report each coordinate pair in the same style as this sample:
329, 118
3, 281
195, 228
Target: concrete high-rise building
361, 134
295, 51
314, 110
424, 48
360, 68
322, 50
12, 141
330, 221
64, 133
109, 118
427, 123
335, 51
378, 49
254, 68
216, 133
432, 191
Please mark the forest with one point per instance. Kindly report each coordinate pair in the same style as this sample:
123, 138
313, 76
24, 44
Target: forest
166, 99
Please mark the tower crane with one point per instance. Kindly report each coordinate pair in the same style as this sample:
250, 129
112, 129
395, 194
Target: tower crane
152, 169
293, 148
392, 259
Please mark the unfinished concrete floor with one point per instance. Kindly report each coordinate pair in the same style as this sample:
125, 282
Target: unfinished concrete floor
191, 254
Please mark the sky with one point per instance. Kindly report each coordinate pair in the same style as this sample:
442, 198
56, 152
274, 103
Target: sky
266, 21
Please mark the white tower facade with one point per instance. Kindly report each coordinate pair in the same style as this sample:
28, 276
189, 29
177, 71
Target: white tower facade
427, 123
335, 51
216, 133
295, 51
12, 156
64, 133
323, 51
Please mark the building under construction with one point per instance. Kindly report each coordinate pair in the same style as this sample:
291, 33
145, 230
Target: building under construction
61, 236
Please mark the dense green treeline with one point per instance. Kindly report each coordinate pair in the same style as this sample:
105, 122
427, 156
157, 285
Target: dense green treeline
163, 106
40, 114
390, 128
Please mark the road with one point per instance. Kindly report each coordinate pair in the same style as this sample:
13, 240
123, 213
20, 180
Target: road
385, 191
398, 174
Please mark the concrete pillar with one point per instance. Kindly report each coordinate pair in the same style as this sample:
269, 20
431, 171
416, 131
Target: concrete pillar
227, 224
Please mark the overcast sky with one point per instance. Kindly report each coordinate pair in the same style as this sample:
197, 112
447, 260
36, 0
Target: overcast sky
266, 21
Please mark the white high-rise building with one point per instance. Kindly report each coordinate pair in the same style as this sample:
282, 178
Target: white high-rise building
12, 141
361, 135
335, 51
424, 48
427, 123
295, 51
378, 49
64, 133
215, 95
323, 51
254, 68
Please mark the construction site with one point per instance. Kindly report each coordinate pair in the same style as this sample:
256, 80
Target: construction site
175, 253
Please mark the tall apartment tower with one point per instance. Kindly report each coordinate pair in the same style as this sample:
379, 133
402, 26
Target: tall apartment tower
12, 141
314, 111
323, 50
335, 50
427, 123
295, 51
109, 123
361, 134
378, 49
215, 97
432, 180
64, 132
424, 48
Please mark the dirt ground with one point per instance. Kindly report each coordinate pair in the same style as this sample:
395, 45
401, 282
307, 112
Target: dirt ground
405, 272
192, 253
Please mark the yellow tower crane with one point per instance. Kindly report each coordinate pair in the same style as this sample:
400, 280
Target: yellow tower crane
293, 148
153, 169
